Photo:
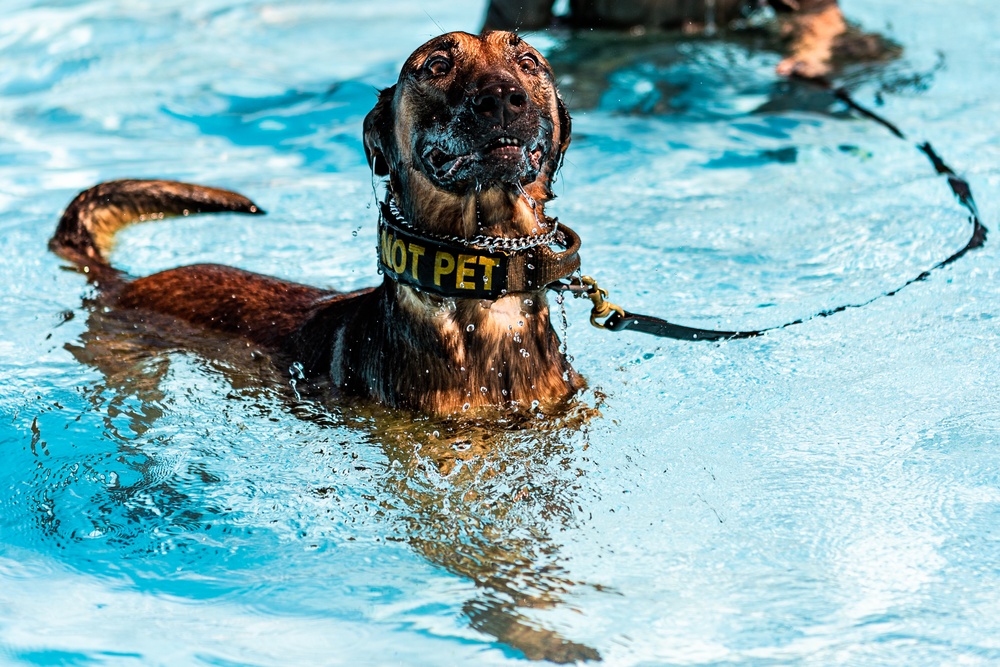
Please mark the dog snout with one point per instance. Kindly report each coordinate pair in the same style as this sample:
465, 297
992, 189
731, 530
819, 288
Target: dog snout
499, 102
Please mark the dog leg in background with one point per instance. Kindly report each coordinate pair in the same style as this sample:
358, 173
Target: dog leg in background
813, 35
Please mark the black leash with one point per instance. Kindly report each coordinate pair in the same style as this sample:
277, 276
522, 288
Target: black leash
619, 319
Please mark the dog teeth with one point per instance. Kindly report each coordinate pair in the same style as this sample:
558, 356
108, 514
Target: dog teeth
508, 141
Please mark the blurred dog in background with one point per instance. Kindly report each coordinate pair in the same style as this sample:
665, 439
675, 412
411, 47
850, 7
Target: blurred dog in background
814, 31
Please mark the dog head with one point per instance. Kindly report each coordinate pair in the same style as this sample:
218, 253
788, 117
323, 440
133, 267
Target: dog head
469, 113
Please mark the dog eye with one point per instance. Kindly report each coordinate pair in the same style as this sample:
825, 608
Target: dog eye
437, 65
528, 62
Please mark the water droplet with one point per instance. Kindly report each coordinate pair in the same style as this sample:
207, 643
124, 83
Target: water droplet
354, 233
529, 302
436, 434
503, 391
531, 266
297, 371
483, 389
525, 353
471, 327
534, 404
520, 323
465, 407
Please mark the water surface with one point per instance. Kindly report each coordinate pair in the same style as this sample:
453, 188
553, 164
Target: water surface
825, 494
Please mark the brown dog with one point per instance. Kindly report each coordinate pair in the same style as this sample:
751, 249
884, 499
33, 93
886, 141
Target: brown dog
470, 137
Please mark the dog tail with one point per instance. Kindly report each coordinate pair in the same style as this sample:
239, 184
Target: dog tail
87, 227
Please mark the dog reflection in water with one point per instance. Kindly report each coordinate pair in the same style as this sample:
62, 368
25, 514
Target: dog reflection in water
485, 499
469, 139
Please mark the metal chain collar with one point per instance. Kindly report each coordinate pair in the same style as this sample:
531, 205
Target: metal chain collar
490, 243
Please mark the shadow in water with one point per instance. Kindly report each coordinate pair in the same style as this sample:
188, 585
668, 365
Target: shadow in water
483, 500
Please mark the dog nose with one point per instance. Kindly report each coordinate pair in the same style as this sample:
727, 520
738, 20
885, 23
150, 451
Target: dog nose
500, 102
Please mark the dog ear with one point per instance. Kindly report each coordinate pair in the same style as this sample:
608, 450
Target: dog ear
378, 132
565, 128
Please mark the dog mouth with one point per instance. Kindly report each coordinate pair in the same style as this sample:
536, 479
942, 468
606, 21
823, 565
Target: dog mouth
502, 147
499, 157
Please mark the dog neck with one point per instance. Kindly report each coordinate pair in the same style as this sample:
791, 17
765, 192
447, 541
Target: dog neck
501, 211
450, 355
446, 355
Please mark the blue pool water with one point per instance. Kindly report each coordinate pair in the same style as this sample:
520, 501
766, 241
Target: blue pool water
827, 494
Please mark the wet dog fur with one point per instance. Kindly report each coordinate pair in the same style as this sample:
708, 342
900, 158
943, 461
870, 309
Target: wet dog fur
470, 139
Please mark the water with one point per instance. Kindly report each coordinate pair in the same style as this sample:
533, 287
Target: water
826, 494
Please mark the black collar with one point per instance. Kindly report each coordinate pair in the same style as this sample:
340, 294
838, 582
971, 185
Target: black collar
480, 268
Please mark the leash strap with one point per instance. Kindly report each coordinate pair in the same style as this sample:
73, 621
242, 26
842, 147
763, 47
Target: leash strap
618, 319
664, 329
456, 268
